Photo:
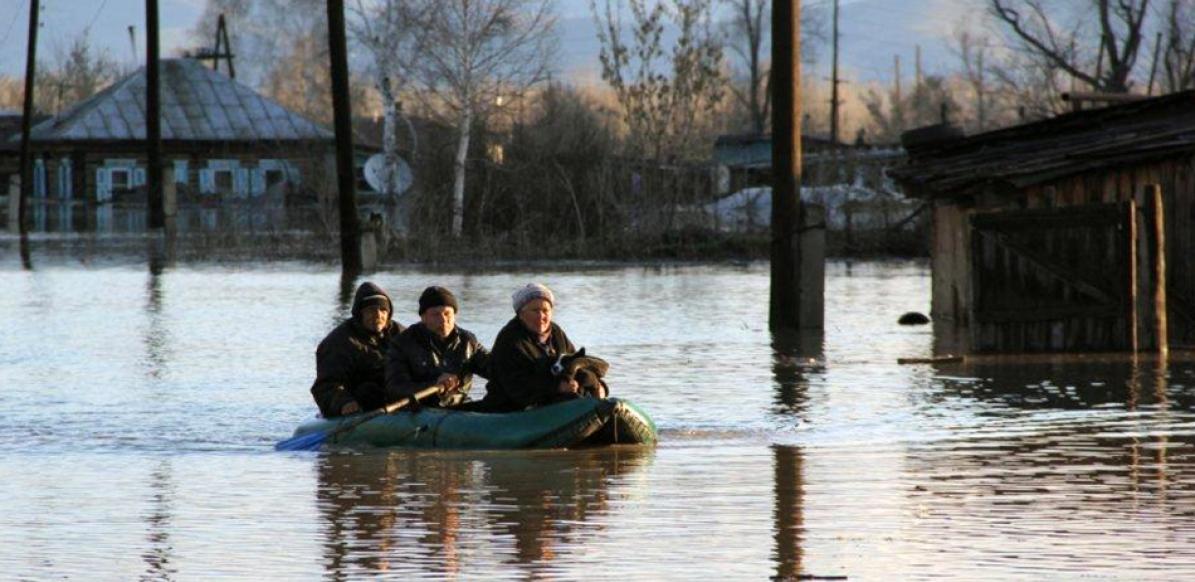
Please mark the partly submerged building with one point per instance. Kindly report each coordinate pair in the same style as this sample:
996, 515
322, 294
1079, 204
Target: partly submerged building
225, 145
1047, 237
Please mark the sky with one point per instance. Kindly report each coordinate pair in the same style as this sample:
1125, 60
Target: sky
871, 33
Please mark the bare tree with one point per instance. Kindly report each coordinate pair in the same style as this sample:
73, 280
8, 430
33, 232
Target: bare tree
747, 32
667, 98
925, 105
74, 74
1118, 26
1178, 56
476, 57
386, 29
973, 51
79, 73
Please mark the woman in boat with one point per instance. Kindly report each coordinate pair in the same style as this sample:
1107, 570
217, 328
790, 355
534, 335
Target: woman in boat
350, 362
435, 352
521, 362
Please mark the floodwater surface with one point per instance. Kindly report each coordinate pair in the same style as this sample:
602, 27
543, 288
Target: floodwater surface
140, 413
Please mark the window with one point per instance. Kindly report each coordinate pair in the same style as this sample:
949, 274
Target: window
274, 177
121, 179
223, 181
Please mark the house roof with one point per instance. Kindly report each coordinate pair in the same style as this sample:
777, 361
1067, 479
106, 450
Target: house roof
198, 104
1068, 144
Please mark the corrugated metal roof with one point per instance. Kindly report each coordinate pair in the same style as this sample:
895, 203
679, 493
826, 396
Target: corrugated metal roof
1065, 145
198, 104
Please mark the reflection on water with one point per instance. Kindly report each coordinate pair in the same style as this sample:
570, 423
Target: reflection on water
789, 522
160, 549
410, 512
140, 410
795, 355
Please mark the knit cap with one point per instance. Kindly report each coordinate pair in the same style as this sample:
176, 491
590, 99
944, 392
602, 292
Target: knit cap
530, 293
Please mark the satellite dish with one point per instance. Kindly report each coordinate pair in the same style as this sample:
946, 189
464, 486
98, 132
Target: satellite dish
375, 174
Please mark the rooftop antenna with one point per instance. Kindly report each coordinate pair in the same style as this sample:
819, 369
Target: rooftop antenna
222, 50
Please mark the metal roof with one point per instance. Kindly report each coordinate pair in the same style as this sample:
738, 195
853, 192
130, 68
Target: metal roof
198, 104
1065, 145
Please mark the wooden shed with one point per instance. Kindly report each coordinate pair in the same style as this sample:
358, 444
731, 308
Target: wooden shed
1049, 236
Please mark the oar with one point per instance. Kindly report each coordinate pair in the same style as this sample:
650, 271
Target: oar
313, 440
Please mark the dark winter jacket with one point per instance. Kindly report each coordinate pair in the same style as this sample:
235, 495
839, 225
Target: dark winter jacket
520, 368
417, 357
350, 363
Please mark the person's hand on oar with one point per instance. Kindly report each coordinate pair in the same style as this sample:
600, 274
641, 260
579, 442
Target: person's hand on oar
314, 440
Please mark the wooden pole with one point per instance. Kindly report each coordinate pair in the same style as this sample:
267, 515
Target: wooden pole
153, 117
350, 228
1158, 252
785, 295
896, 75
834, 83
917, 67
980, 90
1153, 69
1131, 235
26, 127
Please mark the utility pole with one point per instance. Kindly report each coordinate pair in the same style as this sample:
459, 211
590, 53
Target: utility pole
834, 83
917, 66
785, 296
153, 117
133, 41
896, 76
27, 126
980, 89
350, 229
1153, 69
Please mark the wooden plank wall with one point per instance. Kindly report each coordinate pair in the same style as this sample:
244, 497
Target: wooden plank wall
952, 298
1051, 280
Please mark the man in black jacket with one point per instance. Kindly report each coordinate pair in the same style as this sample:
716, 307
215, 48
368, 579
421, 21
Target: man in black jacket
520, 365
350, 362
435, 352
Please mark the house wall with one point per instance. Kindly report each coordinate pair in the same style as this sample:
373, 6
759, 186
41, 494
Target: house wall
951, 240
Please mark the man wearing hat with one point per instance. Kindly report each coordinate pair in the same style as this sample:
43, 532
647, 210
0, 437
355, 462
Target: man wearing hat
435, 352
350, 362
520, 365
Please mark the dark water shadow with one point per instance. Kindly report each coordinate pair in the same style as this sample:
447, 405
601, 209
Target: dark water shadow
26, 256
156, 338
795, 356
159, 553
344, 298
411, 510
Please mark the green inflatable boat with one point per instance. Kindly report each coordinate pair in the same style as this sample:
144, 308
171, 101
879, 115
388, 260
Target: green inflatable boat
584, 422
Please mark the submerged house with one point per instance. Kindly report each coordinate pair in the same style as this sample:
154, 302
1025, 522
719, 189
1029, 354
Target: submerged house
230, 154
863, 205
1047, 237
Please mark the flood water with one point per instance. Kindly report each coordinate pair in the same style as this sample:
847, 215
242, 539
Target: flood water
140, 411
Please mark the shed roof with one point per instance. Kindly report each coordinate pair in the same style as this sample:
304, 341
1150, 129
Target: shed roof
198, 104
1068, 144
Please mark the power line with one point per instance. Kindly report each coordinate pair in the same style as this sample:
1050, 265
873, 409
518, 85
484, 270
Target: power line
96, 16
15, 17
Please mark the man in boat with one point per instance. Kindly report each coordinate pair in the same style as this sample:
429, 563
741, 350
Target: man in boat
521, 363
435, 352
350, 362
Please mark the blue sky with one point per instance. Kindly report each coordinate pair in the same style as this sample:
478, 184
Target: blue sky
872, 32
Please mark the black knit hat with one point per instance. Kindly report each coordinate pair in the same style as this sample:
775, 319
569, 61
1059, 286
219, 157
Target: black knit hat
435, 297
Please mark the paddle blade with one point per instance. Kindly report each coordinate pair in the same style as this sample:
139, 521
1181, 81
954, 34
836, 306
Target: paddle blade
308, 442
